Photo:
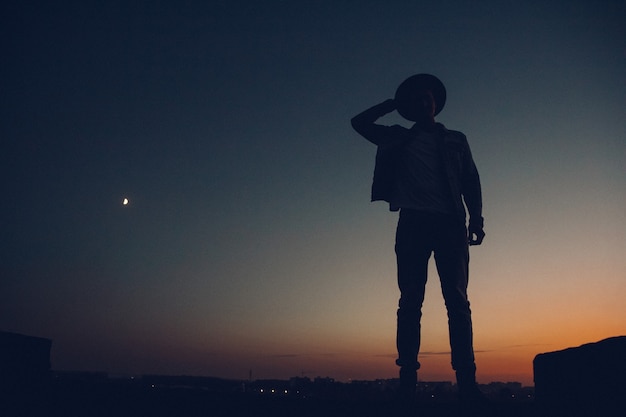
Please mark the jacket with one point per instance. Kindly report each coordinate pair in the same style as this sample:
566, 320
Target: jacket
460, 170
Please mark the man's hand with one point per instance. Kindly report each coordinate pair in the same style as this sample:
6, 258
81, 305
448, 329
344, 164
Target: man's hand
475, 235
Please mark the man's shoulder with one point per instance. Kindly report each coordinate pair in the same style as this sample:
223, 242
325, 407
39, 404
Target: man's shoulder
453, 136
394, 136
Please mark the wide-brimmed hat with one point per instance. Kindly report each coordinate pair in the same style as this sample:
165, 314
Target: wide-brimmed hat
408, 90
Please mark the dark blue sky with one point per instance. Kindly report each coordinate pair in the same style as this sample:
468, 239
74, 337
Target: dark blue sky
249, 240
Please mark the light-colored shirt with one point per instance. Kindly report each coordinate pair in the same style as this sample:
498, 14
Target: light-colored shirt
421, 183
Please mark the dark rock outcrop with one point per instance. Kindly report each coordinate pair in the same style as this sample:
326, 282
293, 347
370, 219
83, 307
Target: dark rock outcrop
589, 380
23, 358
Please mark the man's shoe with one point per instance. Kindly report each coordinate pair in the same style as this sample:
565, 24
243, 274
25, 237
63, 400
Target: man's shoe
408, 383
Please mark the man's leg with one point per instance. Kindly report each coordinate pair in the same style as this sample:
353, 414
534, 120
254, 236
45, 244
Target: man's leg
412, 256
452, 259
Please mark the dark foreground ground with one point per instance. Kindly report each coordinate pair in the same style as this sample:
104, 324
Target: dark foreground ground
87, 400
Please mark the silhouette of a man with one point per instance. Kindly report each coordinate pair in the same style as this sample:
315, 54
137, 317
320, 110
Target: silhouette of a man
428, 174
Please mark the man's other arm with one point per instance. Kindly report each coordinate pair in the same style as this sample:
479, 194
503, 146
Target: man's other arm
472, 194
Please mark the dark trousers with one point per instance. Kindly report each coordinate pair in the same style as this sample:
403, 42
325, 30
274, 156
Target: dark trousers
418, 235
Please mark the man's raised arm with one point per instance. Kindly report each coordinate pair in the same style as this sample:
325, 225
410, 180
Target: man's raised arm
364, 122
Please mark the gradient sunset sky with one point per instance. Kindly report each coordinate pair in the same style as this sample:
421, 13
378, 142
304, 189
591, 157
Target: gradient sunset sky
249, 242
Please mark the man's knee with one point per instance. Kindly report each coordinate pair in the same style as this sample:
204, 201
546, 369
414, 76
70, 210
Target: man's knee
410, 303
409, 313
